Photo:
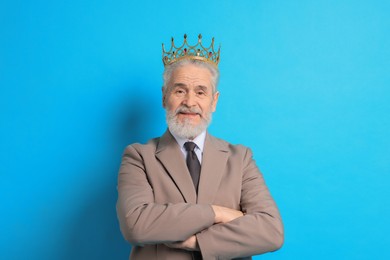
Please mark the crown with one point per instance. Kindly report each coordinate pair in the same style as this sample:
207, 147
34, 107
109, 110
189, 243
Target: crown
194, 52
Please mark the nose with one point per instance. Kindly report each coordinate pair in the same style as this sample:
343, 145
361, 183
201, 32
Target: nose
189, 100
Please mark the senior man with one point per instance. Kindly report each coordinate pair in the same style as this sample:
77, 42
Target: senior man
187, 194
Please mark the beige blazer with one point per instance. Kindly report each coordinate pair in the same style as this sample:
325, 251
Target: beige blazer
157, 202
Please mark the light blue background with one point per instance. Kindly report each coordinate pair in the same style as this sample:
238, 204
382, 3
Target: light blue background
305, 84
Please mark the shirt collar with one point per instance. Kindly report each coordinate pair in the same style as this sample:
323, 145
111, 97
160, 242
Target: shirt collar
199, 140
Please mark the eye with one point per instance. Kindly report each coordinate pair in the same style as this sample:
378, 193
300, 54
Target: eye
179, 92
200, 93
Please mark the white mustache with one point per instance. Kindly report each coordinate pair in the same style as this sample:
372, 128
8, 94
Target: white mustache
183, 109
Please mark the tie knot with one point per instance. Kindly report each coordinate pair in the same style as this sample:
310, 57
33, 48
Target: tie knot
190, 146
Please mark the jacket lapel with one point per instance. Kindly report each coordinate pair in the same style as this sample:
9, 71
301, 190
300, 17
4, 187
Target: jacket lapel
169, 154
215, 155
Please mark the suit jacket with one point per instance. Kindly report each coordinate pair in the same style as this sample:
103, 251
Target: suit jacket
157, 202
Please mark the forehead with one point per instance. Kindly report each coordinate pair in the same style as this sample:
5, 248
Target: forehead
190, 74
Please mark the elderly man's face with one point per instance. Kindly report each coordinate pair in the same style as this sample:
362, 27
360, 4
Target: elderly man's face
189, 100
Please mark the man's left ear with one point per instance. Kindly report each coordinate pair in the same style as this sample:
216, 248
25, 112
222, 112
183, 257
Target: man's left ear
215, 100
163, 97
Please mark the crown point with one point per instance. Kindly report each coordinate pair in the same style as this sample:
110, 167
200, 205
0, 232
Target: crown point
200, 38
197, 51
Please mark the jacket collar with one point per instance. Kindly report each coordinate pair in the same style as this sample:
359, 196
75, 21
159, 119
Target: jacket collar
215, 155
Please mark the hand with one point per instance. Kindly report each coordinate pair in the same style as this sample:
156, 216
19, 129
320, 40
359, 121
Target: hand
190, 244
224, 215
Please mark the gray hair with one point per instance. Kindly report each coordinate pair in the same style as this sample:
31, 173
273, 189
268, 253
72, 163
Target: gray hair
170, 68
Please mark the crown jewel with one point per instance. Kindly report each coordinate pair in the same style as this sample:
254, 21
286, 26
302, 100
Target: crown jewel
195, 52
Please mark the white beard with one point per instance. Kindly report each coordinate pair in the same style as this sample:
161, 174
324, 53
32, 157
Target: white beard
185, 129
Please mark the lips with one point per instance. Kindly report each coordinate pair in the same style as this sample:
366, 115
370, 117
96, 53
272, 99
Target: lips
188, 114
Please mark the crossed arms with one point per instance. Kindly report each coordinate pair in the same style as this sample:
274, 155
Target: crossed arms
214, 230
222, 215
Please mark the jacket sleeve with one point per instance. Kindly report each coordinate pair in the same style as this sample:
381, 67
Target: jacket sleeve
259, 231
142, 221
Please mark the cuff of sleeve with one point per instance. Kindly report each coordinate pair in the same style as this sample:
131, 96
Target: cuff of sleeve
205, 245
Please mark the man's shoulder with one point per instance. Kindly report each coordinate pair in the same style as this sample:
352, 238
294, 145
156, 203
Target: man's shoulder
150, 145
228, 146
235, 152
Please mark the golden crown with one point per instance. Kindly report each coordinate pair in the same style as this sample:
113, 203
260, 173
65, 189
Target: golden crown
195, 52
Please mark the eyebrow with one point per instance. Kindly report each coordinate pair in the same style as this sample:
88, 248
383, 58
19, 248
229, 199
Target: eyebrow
180, 85
204, 88
185, 85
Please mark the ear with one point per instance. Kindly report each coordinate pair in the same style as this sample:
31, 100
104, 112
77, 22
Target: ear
215, 101
163, 97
